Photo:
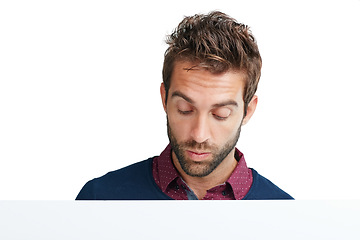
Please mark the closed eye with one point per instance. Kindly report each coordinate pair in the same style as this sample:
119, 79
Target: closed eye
185, 112
219, 118
221, 113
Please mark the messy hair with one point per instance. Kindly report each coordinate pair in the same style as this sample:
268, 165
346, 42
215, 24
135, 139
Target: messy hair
217, 43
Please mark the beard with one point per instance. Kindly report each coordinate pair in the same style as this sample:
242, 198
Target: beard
203, 168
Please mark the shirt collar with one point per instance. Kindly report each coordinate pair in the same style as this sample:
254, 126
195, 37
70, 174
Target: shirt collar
240, 179
166, 169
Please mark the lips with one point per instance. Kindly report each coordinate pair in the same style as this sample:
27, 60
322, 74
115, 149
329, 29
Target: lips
198, 156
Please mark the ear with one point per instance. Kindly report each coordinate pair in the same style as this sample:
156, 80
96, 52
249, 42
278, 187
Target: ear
250, 109
163, 95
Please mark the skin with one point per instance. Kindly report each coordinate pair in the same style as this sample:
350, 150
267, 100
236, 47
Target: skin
205, 113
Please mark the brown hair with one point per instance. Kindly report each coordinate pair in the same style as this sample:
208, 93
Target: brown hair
217, 43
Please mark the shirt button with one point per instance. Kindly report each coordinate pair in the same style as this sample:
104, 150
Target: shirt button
177, 187
183, 187
223, 193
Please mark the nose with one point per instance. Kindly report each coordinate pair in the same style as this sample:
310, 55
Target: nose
200, 130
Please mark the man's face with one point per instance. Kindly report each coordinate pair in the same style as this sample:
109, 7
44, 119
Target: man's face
204, 116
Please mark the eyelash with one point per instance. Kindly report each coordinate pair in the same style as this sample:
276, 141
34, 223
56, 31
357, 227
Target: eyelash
219, 118
185, 112
215, 116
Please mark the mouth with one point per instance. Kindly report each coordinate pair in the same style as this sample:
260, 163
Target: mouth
198, 156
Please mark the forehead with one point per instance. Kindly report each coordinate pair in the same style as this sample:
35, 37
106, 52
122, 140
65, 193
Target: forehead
194, 81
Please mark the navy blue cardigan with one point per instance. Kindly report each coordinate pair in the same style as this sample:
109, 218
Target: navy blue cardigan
136, 182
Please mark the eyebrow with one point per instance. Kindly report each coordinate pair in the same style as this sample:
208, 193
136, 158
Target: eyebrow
180, 94
227, 103
216, 105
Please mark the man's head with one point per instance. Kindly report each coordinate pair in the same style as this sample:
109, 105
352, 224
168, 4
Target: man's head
215, 42
210, 75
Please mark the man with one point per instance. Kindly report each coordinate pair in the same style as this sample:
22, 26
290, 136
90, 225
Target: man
210, 76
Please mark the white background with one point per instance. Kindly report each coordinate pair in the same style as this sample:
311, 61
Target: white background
278, 220
79, 92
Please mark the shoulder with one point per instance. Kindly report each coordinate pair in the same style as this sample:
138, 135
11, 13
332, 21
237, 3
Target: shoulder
138, 171
132, 182
264, 189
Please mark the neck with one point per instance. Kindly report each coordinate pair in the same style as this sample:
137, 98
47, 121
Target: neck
200, 185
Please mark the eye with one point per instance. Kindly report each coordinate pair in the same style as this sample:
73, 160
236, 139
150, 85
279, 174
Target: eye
222, 113
185, 112
219, 118
184, 108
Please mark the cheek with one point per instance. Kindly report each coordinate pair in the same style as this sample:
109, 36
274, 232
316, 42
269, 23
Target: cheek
179, 126
224, 131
